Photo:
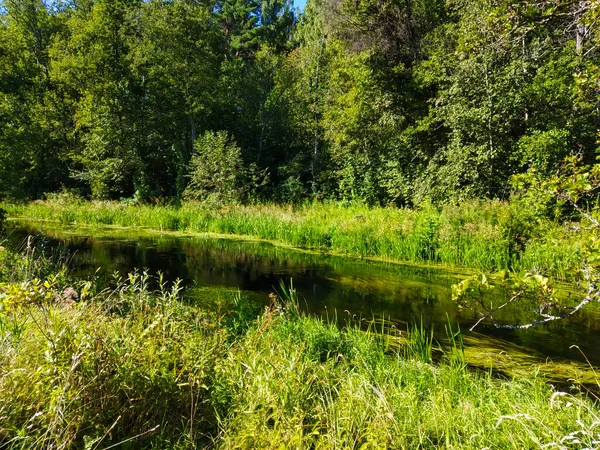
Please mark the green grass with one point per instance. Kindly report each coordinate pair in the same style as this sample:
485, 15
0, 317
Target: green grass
134, 365
488, 235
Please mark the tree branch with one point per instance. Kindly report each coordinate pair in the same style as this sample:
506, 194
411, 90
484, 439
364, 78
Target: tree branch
490, 314
593, 294
580, 210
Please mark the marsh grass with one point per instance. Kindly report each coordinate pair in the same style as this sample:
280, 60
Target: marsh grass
132, 362
135, 366
419, 344
488, 235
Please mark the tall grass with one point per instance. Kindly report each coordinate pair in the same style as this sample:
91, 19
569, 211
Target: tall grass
487, 235
133, 365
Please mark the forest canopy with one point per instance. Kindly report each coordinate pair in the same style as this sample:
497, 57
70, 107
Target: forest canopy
380, 101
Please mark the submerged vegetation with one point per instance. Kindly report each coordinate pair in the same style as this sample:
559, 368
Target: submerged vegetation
135, 363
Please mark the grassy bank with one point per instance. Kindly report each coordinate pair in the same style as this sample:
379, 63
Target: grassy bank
482, 235
135, 365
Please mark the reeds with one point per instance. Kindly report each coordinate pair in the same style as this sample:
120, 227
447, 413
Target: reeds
134, 364
481, 235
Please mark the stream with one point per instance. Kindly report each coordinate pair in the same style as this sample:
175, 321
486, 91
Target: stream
334, 287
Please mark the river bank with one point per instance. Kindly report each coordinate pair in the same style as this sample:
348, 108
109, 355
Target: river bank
488, 235
137, 364
331, 287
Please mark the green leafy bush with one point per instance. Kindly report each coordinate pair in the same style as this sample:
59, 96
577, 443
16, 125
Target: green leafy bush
543, 150
292, 190
216, 169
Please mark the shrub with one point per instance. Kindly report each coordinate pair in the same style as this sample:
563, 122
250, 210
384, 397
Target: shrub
216, 169
65, 197
292, 190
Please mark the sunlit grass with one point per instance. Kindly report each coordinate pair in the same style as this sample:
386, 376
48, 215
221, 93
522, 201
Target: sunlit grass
479, 235
135, 364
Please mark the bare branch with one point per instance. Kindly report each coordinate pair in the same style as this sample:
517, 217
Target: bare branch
490, 314
584, 214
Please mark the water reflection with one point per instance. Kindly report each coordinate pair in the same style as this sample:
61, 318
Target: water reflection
327, 284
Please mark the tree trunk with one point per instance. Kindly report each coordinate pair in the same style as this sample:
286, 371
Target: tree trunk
261, 139
193, 131
316, 117
580, 41
490, 108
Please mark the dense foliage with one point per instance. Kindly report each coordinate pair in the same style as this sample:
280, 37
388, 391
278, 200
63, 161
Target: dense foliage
135, 366
373, 100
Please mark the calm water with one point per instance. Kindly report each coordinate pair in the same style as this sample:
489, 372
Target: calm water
329, 285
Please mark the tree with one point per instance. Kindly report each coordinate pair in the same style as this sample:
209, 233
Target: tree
32, 136
93, 60
178, 58
216, 169
257, 35
307, 67
361, 121
388, 102
575, 187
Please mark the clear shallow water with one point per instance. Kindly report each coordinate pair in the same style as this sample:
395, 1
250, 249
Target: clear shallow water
328, 285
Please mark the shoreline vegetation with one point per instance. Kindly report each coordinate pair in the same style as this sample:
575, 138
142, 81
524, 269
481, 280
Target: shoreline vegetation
480, 235
138, 366
455, 134
481, 352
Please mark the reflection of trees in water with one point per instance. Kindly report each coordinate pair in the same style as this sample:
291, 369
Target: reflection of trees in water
325, 283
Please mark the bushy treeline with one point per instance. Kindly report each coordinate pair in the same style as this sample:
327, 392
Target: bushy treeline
375, 100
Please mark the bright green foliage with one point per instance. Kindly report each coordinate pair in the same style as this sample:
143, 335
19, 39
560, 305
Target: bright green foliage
216, 169
567, 191
177, 62
17, 296
31, 134
483, 235
384, 102
138, 366
94, 58
359, 119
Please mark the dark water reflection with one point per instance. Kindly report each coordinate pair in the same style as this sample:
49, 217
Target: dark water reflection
327, 284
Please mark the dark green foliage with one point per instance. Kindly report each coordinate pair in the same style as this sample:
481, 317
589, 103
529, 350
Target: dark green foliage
242, 315
3, 217
374, 100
